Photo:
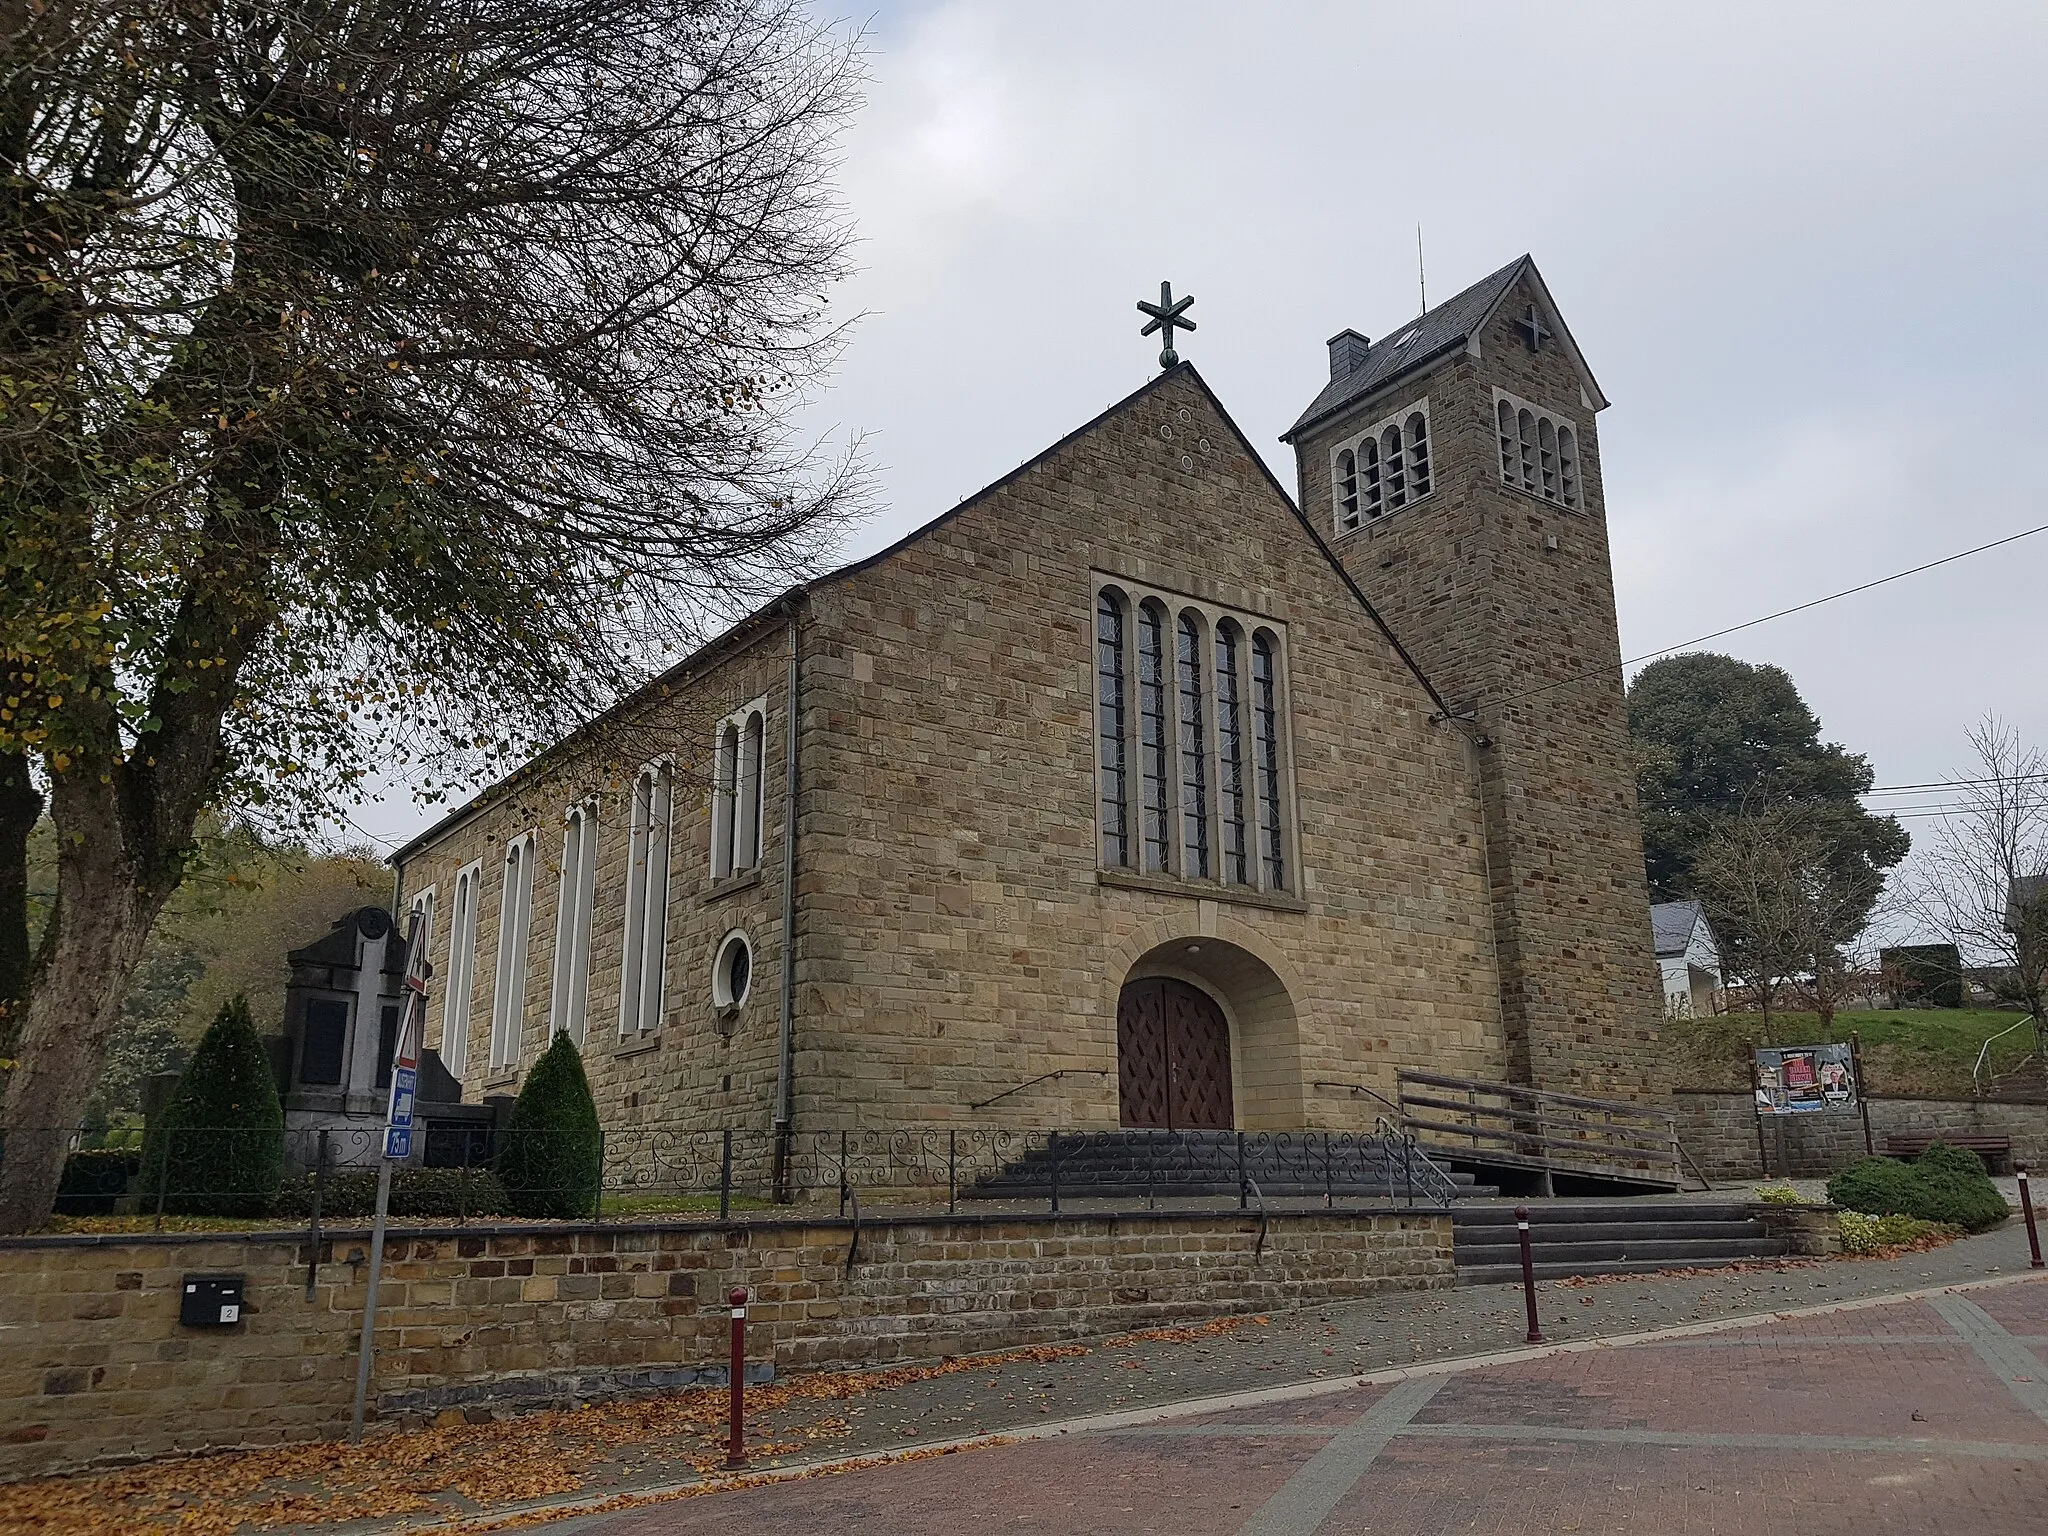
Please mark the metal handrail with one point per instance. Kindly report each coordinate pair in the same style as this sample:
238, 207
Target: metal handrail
1984, 1054
1443, 1188
1359, 1088
1032, 1082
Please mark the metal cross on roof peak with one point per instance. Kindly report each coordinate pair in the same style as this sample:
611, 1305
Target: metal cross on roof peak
1534, 331
1168, 315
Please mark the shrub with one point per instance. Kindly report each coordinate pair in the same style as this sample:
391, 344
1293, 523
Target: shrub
218, 1147
93, 1180
1777, 1194
1945, 1185
1963, 1194
551, 1151
352, 1192
1869, 1234
1877, 1186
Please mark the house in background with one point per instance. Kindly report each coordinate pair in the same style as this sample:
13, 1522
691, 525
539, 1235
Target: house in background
1690, 957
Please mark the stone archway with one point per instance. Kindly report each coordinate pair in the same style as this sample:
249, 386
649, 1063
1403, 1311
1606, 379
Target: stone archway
1260, 1079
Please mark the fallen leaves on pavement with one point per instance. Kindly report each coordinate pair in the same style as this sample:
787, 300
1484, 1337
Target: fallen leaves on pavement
506, 1461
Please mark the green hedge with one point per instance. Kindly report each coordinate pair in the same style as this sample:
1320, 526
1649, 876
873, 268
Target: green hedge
551, 1151
352, 1192
93, 1180
218, 1147
1945, 1185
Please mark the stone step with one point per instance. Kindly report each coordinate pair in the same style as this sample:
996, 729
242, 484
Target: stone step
1506, 1274
1614, 1231
1550, 1213
1576, 1255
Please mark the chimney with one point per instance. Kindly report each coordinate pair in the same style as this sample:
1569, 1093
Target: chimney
1347, 351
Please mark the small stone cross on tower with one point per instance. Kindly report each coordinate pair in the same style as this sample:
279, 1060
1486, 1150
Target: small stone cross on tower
1168, 315
1534, 331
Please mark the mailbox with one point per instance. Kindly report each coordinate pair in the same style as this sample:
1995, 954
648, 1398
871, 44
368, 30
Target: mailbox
211, 1301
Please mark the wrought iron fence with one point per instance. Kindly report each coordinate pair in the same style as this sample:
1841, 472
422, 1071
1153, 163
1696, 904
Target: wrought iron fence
470, 1173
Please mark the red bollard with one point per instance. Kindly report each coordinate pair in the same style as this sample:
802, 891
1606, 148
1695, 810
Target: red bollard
1528, 1273
735, 1450
2027, 1205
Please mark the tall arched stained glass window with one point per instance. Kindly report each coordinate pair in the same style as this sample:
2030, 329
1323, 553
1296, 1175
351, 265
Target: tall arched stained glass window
1110, 709
1230, 786
1194, 749
1152, 686
1266, 747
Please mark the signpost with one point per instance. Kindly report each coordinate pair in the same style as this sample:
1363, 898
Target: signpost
398, 1129
1807, 1080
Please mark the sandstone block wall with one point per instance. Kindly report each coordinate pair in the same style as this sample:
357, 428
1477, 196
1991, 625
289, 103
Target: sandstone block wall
1719, 1130
95, 1366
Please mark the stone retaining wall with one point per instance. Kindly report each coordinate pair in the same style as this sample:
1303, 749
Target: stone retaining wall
1719, 1130
94, 1366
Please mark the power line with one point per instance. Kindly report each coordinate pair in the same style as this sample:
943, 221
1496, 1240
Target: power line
1898, 789
1964, 554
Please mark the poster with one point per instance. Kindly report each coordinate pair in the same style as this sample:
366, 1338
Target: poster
1805, 1080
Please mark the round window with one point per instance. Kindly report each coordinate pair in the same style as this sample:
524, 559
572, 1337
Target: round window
732, 972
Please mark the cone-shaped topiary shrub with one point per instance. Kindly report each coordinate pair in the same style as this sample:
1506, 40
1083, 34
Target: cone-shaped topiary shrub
218, 1147
1944, 1184
551, 1151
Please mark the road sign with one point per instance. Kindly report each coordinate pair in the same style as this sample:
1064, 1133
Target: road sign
405, 1055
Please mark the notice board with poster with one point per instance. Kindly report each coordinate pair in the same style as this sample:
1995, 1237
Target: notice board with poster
1806, 1080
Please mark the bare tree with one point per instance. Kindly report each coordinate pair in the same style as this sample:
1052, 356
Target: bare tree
377, 378
1789, 900
1981, 882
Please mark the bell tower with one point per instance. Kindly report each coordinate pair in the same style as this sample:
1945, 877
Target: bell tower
1454, 468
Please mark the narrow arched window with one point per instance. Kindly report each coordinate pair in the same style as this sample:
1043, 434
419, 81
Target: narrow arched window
459, 985
1152, 686
1347, 491
1525, 438
1394, 468
573, 910
1194, 750
725, 777
1266, 747
747, 838
644, 959
1110, 708
1375, 488
1418, 453
515, 915
1230, 785
1539, 452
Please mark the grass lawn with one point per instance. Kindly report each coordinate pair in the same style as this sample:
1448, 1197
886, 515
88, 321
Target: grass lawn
1910, 1051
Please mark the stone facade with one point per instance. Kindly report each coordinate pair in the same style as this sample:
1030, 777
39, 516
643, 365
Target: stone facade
1471, 901
519, 1317
1506, 600
1719, 1130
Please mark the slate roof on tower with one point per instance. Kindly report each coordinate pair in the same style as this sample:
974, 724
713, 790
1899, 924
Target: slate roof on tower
1444, 329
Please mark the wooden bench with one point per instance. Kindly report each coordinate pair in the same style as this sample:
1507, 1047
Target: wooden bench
1993, 1149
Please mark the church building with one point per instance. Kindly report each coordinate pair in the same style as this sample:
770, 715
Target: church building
1134, 790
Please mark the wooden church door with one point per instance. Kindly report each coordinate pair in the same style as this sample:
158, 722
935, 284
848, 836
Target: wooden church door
1172, 1057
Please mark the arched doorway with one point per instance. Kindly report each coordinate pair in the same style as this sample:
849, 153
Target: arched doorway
1172, 1056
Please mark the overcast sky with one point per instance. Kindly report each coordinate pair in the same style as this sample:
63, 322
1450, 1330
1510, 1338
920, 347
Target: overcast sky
1800, 245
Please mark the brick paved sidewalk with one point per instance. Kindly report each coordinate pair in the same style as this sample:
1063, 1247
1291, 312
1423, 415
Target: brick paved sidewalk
1908, 1416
